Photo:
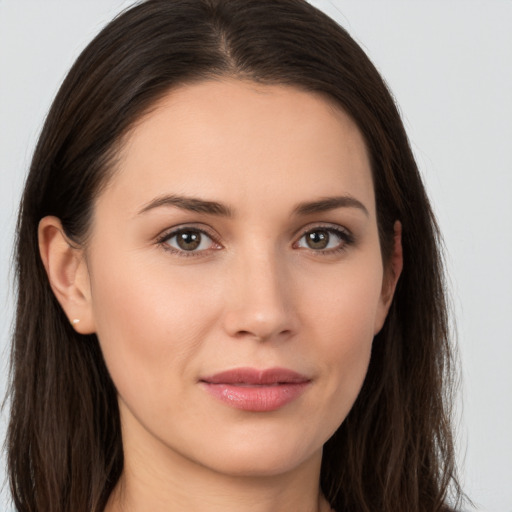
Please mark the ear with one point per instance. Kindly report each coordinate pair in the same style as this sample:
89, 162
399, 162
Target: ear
391, 276
67, 272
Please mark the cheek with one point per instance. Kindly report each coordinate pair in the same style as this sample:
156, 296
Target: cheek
342, 317
348, 302
346, 337
147, 322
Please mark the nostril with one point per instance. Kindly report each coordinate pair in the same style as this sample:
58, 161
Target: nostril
241, 334
261, 335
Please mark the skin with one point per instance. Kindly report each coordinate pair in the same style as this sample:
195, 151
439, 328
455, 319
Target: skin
253, 294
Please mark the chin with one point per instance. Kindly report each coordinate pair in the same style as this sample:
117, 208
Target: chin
262, 464
260, 455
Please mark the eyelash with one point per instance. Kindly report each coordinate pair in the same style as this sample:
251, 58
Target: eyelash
164, 239
346, 240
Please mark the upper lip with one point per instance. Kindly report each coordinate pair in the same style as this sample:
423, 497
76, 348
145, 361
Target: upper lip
256, 377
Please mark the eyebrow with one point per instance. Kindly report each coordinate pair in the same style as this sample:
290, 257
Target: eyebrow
189, 203
194, 204
330, 203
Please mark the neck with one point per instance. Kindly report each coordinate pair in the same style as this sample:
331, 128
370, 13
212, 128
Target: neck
167, 482
129, 497
141, 490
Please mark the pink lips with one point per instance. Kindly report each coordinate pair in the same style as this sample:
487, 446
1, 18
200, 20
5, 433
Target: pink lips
255, 390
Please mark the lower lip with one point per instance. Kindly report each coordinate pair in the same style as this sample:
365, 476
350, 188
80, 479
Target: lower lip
257, 398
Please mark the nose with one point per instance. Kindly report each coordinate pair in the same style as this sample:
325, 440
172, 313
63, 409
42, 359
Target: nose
259, 303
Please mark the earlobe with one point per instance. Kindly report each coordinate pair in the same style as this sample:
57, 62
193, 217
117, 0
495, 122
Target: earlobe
67, 273
392, 274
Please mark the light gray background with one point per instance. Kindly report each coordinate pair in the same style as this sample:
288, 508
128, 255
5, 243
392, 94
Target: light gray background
449, 64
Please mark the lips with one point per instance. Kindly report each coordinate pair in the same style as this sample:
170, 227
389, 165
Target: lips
250, 389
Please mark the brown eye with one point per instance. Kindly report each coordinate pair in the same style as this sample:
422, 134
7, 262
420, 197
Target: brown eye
325, 239
317, 239
189, 240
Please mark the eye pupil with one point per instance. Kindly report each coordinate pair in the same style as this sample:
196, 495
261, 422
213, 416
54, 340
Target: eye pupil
188, 240
317, 239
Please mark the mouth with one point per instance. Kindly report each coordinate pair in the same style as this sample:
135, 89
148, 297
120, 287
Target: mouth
254, 390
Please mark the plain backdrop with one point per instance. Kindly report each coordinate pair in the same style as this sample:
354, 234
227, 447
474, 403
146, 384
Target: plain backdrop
449, 64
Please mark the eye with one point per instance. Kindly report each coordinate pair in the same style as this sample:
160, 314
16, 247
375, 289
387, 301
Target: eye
325, 239
188, 240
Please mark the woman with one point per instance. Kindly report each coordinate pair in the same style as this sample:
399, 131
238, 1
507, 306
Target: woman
230, 295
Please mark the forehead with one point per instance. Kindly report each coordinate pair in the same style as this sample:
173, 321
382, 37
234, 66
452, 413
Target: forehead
236, 141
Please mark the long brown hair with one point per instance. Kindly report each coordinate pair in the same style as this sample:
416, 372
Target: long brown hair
394, 452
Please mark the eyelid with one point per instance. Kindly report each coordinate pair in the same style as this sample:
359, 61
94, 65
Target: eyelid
344, 233
169, 233
323, 225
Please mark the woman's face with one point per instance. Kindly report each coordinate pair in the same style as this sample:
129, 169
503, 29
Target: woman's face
236, 279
